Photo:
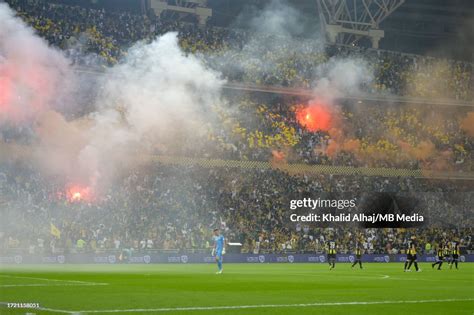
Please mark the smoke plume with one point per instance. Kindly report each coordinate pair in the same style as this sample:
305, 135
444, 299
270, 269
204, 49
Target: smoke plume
32, 74
157, 100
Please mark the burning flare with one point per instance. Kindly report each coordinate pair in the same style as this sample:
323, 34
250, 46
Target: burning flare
314, 117
78, 193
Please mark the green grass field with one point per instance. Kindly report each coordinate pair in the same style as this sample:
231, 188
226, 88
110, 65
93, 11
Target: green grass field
241, 289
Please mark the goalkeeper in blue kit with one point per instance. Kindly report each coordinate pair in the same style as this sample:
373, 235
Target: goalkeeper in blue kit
218, 249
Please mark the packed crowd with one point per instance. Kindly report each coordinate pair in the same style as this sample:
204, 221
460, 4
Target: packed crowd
176, 207
362, 135
240, 55
380, 136
262, 128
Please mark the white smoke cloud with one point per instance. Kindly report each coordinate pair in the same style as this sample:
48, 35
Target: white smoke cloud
278, 32
279, 18
31, 72
158, 98
342, 77
159, 86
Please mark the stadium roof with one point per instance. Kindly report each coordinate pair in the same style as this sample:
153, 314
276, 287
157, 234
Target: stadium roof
441, 28
437, 27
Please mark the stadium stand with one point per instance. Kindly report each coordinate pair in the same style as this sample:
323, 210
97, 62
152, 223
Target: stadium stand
174, 208
109, 34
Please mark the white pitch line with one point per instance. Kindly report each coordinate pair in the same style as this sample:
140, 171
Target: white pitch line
207, 308
232, 307
56, 280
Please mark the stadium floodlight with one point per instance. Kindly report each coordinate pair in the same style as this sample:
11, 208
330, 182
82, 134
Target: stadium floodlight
347, 21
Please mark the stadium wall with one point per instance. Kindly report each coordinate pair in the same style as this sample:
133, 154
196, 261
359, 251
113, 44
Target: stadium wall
204, 258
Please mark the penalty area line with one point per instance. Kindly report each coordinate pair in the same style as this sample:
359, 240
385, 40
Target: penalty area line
232, 307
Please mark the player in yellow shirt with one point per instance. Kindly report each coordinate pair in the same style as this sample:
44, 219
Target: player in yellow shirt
455, 255
411, 257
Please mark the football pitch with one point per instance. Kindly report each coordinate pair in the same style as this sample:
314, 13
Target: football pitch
241, 289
